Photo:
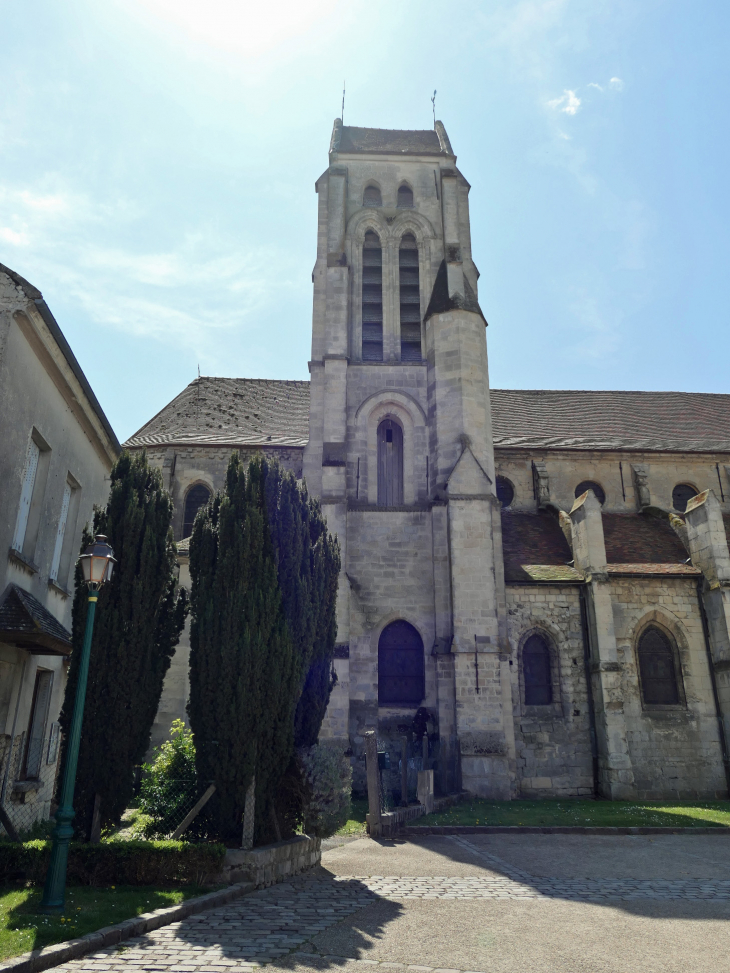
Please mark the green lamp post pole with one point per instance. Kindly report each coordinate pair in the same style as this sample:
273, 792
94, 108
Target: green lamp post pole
97, 563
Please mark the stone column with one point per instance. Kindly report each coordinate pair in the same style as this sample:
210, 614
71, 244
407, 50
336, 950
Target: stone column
616, 775
708, 549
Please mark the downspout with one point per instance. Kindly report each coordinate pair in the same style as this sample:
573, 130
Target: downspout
585, 632
713, 680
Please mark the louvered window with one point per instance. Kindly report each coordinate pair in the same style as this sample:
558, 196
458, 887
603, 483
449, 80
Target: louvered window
657, 669
400, 666
390, 464
536, 672
372, 298
196, 498
405, 197
410, 300
371, 196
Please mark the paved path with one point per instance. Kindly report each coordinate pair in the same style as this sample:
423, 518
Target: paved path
473, 907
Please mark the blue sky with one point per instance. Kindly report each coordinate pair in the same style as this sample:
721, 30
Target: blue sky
158, 159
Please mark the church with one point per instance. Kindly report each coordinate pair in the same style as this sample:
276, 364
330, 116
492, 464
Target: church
541, 579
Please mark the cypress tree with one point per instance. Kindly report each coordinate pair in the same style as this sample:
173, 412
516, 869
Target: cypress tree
139, 617
264, 578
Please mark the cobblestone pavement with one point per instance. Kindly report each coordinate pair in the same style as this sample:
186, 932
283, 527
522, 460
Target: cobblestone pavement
274, 923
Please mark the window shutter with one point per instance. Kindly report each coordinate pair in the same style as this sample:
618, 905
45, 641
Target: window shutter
61, 532
372, 298
410, 299
26, 494
37, 727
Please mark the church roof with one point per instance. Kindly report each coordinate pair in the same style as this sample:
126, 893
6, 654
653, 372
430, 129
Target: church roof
658, 421
389, 141
231, 412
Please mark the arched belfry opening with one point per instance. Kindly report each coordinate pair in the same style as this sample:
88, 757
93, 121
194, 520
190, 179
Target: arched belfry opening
390, 463
372, 298
401, 670
196, 497
410, 299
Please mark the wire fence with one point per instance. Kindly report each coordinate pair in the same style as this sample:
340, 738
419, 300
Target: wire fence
27, 784
164, 804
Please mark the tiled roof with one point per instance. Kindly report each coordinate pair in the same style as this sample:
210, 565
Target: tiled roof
26, 622
384, 140
533, 539
641, 539
682, 421
231, 412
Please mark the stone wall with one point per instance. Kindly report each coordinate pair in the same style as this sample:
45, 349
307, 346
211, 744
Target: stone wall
272, 863
675, 751
553, 748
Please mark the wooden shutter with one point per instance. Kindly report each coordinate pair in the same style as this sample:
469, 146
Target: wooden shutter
61, 532
26, 495
37, 725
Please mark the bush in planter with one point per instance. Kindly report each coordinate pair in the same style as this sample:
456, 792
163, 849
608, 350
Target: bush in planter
326, 776
169, 784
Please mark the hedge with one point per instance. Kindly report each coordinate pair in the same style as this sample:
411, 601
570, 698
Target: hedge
159, 863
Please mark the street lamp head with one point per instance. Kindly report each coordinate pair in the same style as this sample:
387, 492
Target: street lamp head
97, 563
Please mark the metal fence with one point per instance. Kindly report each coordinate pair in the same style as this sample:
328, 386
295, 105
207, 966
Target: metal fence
27, 783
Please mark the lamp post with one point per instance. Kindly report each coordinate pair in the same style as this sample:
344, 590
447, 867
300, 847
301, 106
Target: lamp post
97, 563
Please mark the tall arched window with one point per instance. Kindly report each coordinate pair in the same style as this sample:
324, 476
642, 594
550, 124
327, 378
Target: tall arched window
401, 679
390, 464
372, 298
371, 196
656, 668
410, 300
405, 197
197, 497
536, 672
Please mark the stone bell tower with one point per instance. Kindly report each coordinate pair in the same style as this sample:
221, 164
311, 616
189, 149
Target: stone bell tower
400, 453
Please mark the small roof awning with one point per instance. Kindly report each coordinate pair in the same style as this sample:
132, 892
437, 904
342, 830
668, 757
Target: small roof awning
25, 622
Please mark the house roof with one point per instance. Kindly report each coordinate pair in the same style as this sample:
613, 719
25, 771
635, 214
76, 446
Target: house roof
641, 539
386, 141
530, 540
231, 412
34, 295
27, 623
661, 421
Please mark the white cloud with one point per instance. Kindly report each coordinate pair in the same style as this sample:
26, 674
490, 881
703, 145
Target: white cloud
617, 84
593, 84
568, 103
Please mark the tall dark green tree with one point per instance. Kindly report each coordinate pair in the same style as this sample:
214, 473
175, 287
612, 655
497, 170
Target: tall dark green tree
139, 617
262, 600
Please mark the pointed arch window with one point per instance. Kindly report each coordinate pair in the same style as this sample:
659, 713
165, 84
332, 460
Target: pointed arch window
401, 667
405, 197
390, 464
536, 671
410, 299
372, 197
657, 669
196, 497
372, 298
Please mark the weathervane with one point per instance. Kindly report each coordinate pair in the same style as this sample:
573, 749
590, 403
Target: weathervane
342, 118
433, 102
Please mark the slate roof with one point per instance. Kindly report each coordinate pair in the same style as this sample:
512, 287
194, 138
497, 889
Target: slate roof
384, 140
534, 539
24, 621
641, 539
673, 421
231, 412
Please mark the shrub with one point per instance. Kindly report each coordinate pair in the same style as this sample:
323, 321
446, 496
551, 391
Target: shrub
169, 785
161, 863
327, 784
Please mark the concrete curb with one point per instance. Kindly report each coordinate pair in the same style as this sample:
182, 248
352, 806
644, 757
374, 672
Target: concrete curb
44, 959
457, 829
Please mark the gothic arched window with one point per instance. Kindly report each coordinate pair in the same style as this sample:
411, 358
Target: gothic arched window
591, 485
390, 464
410, 300
536, 672
371, 196
401, 671
372, 298
197, 497
657, 668
682, 494
405, 197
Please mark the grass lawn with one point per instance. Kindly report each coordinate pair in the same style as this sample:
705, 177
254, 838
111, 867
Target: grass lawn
583, 813
356, 823
22, 928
